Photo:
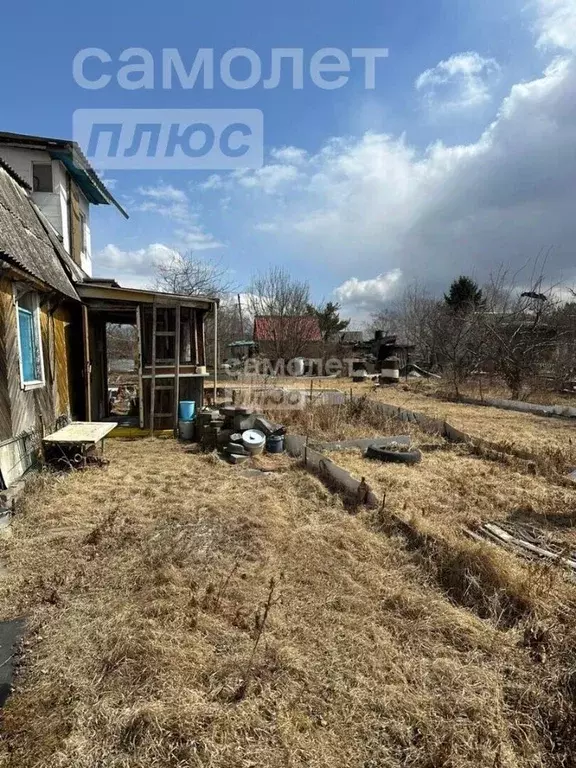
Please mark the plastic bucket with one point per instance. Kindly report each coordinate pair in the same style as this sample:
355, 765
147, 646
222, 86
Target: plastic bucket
186, 430
187, 410
275, 444
254, 440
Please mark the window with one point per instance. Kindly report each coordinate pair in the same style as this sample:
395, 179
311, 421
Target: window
29, 341
42, 176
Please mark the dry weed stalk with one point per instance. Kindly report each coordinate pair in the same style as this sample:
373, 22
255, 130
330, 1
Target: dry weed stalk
260, 619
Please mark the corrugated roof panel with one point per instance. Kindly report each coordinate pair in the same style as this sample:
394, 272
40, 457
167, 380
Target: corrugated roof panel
25, 242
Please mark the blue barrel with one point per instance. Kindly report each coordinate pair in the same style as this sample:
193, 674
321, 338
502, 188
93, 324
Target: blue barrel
275, 444
187, 410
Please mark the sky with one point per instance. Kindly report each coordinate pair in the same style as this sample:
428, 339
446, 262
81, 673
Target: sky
461, 159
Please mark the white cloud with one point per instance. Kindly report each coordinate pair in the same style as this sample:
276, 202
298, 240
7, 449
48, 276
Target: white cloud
556, 24
195, 238
214, 181
132, 268
460, 82
163, 200
164, 192
367, 295
376, 203
174, 204
289, 155
269, 178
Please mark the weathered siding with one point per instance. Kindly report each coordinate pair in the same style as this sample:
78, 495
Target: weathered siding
5, 409
79, 205
55, 205
86, 256
20, 159
38, 410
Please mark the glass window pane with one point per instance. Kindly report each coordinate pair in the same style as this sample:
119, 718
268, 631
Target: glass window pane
26, 327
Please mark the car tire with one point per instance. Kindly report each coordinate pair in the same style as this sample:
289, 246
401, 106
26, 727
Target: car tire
394, 457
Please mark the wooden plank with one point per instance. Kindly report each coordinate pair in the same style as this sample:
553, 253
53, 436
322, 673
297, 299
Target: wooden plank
153, 377
202, 360
176, 400
87, 364
140, 366
506, 537
196, 339
82, 432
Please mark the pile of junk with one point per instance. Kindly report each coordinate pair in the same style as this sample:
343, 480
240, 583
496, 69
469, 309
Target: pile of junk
238, 432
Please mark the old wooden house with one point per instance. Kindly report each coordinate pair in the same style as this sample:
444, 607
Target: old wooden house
53, 313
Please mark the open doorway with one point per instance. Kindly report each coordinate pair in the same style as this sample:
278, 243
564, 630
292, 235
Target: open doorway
122, 367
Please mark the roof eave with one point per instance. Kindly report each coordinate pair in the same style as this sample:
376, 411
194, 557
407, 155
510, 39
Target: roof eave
63, 148
141, 296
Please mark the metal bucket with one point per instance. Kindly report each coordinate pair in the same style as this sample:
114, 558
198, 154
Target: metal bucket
275, 444
254, 441
186, 430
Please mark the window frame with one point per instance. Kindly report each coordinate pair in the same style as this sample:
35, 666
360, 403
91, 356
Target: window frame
50, 164
37, 328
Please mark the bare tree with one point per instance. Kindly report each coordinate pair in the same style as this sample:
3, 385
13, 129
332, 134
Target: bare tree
413, 317
285, 301
191, 275
276, 292
522, 329
121, 342
563, 365
460, 343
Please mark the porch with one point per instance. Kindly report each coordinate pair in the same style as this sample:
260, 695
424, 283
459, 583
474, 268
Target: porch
170, 363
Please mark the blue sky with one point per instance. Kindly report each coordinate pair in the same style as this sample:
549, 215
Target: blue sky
459, 160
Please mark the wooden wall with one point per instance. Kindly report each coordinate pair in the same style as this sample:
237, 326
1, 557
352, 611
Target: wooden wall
37, 410
191, 388
5, 353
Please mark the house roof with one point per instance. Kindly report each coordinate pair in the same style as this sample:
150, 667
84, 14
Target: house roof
70, 154
273, 327
25, 241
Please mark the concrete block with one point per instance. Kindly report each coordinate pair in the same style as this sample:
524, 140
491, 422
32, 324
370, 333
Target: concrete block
265, 426
238, 449
243, 422
223, 436
237, 458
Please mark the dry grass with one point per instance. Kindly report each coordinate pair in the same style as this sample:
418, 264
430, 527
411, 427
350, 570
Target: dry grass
142, 583
454, 487
350, 420
543, 437
549, 440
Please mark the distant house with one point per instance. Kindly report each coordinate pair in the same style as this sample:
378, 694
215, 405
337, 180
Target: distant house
349, 337
287, 336
53, 314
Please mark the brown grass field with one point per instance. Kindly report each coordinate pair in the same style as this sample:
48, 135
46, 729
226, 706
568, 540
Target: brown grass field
550, 439
181, 613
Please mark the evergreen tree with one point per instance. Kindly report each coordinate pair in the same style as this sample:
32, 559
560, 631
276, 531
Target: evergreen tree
464, 295
328, 319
